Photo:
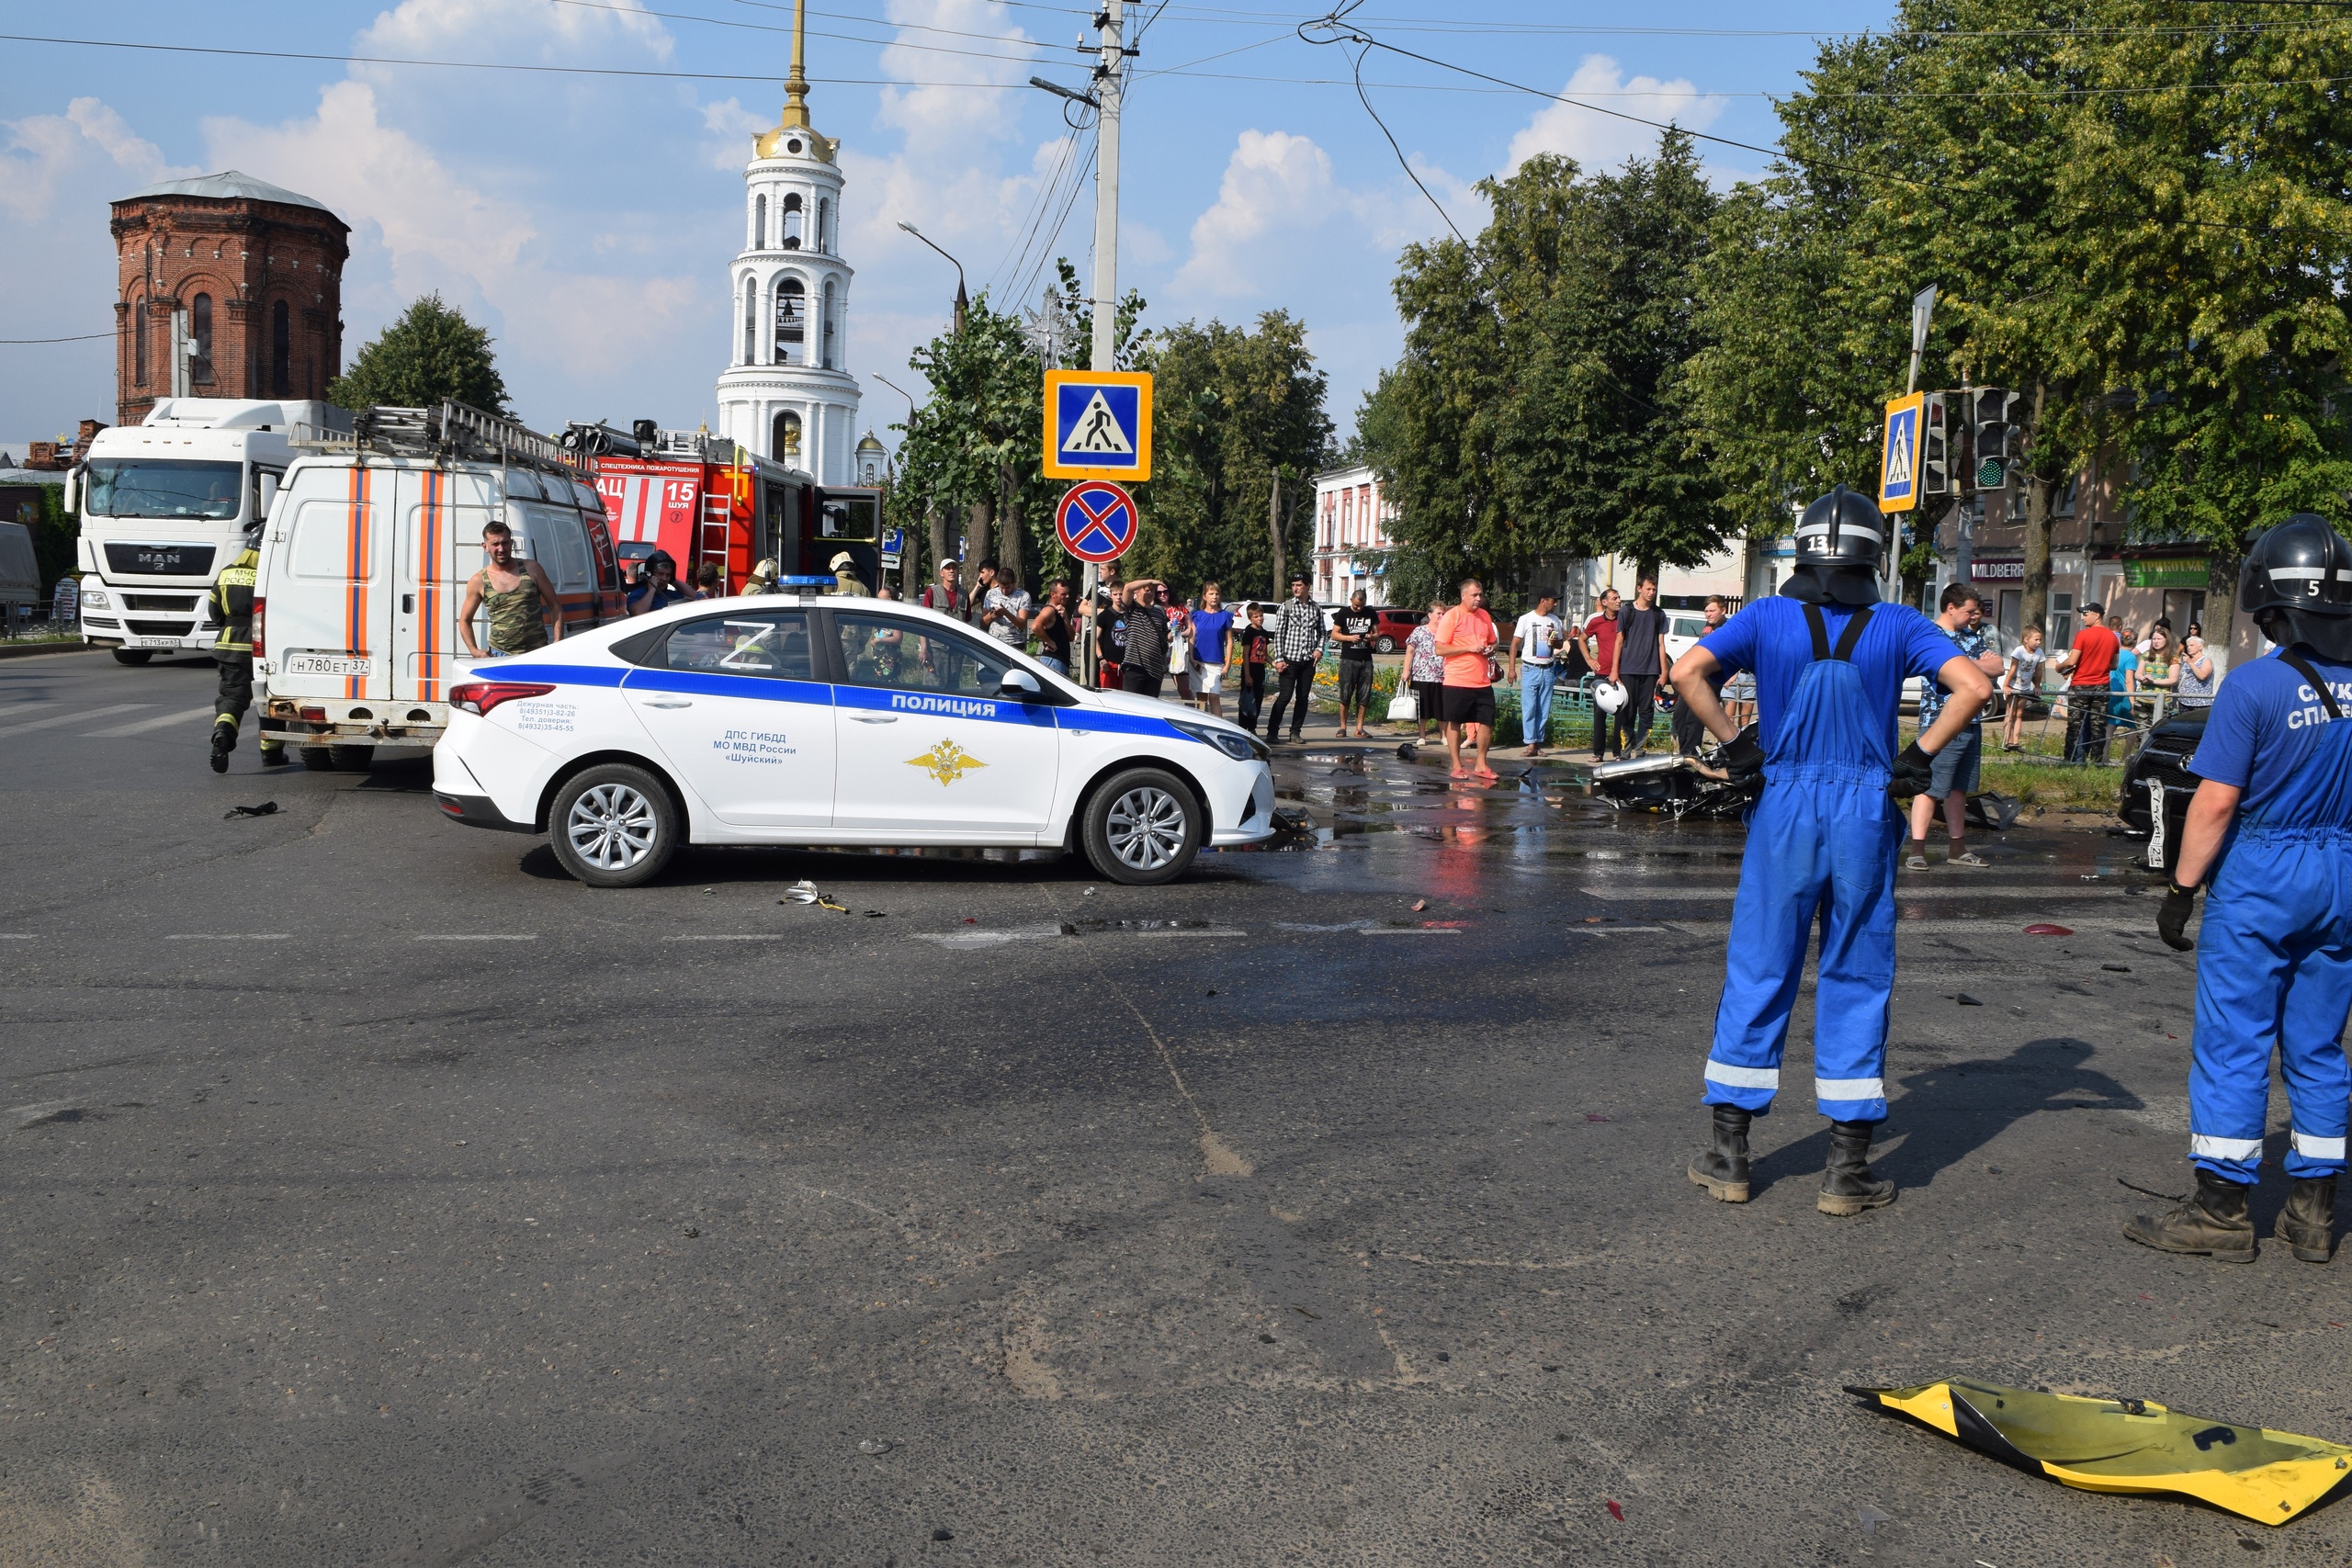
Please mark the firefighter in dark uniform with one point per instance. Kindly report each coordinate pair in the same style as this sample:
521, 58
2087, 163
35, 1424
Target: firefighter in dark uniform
233, 607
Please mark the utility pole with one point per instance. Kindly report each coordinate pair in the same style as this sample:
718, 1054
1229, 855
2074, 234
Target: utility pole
1109, 73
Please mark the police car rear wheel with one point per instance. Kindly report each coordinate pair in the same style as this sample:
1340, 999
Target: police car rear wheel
614, 826
1143, 828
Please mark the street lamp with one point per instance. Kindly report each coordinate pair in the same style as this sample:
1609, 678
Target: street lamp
963, 301
907, 569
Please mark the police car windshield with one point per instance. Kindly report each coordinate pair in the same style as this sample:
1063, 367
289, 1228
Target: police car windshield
163, 487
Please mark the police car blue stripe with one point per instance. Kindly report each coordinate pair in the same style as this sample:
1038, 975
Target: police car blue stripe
751, 688
562, 675
1104, 722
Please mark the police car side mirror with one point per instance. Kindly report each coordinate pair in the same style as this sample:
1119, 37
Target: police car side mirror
1019, 685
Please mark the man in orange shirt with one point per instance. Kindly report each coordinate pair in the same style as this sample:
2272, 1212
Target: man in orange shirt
1465, 640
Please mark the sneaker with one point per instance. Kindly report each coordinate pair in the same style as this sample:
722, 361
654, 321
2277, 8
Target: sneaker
1967, 857
1918, 860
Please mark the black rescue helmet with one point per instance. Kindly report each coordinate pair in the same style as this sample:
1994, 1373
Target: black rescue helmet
2301, 565
1842, 528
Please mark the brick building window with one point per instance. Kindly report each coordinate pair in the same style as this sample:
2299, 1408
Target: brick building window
139, 342
200, 316
281, 351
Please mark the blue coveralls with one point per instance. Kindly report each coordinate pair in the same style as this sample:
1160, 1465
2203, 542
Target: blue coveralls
2274, 971
1822, 838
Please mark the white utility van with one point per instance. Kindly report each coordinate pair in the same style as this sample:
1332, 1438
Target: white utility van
19, 576
366, 559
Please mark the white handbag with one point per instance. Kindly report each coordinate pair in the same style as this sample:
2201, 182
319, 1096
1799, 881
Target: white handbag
1405, 707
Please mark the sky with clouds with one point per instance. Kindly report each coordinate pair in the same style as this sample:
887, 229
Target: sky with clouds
587, 217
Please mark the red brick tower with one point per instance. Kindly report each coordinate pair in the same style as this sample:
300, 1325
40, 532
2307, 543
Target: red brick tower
242, 280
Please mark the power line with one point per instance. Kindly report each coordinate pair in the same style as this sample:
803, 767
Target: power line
83, 337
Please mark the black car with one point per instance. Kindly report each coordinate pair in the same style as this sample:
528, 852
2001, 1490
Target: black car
2163, 765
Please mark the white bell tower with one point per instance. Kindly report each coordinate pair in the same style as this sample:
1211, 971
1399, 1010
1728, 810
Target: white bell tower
787, 394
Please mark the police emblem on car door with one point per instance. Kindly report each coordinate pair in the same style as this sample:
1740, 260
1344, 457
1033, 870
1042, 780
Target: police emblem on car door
927, 744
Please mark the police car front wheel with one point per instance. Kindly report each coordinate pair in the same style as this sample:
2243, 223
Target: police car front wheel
1144, 827
614, 826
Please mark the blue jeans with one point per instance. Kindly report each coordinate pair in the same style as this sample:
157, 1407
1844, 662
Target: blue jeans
1055, 665
1535, 683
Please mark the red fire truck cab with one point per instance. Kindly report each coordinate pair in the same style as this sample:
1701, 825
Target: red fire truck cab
705, 501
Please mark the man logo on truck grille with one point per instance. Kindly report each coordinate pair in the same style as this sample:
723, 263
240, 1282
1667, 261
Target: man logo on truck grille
947, 763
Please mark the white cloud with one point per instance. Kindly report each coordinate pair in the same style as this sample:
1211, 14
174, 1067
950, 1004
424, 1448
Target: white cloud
731, 127
950, 119
89, 144
510, 29
1277, 195
1600, 142
419, 226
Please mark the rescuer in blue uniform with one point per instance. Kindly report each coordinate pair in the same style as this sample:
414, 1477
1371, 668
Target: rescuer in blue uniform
2274, 957
1829, 661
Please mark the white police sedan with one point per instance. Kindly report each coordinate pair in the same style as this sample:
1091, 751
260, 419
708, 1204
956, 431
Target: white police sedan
832, 721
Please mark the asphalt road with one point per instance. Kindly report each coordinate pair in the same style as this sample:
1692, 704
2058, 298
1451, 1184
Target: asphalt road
377, 1195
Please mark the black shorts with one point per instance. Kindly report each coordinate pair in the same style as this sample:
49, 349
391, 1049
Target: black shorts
1470, 705
1355, 682
1430, 695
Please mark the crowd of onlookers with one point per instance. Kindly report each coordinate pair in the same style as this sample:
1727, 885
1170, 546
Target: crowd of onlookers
1265, 654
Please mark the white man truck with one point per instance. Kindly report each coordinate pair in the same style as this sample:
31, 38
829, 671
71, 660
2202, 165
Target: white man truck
164, 504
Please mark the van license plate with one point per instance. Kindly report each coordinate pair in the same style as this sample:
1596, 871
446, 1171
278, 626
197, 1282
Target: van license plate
329, 664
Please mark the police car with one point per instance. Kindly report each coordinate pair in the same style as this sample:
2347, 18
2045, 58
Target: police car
833, 721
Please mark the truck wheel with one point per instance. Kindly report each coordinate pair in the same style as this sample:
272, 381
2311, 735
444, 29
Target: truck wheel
317, 759
1143, 828
351, 759
1383, 645
614, 826
131, 656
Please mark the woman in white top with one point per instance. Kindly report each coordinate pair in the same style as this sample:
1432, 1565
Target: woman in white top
2197, 675
2018, 684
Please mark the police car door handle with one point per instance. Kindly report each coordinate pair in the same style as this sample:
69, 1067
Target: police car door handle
669, 703
876, 718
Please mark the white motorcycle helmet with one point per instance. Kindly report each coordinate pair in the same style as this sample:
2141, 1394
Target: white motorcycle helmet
1608, 696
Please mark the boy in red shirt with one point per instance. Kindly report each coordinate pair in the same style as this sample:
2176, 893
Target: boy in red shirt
1600, 653
2089, 663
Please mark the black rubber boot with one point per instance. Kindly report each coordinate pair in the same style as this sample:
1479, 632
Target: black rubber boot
224, 740
1723, 1170
1848, 1187
274, 757
2308, 1221
2210, 1220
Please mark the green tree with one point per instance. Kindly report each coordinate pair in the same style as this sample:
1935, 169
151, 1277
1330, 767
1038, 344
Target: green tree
2206, 198
431, 355
1543, 402
1238, 426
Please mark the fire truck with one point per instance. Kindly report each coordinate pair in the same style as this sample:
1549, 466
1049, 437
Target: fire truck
705, 501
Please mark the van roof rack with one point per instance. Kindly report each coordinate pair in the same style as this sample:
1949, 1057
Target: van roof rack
450, 429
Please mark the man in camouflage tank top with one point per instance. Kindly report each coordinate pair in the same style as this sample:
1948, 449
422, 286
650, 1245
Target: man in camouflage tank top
516, 595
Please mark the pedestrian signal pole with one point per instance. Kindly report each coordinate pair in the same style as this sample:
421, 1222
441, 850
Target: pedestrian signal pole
1103, 355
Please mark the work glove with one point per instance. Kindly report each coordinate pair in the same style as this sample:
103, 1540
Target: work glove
1741, 757
2172, 919
1913, 770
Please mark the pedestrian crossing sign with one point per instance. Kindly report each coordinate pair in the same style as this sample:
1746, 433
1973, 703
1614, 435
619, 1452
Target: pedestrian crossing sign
1098, 425
1898, 483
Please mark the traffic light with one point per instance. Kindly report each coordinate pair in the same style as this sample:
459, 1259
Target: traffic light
1935, 450
1996, 435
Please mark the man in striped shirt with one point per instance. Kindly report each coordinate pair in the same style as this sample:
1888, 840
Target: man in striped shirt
1298, 647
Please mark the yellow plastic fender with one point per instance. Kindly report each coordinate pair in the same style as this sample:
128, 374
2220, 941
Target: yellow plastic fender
2130, 1446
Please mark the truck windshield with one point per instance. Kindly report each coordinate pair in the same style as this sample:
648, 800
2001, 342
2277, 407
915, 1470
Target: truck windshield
163, 487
